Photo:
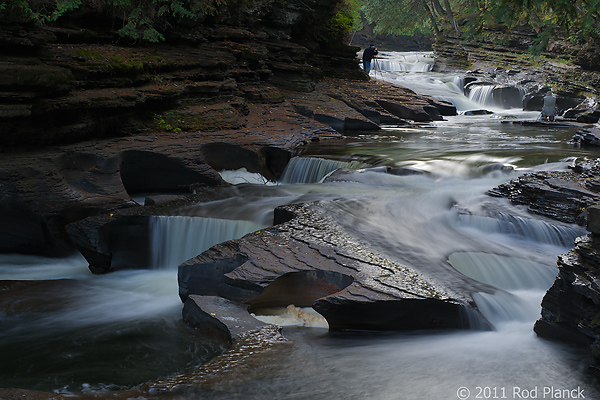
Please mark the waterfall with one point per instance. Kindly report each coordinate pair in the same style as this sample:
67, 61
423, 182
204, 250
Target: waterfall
531, 229
521, 283
177, 239
496, 96
312, 170
508, 273
504, 307
413, 62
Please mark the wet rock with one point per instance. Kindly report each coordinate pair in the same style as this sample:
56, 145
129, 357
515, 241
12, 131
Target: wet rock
477, 112
589, 117
586, 137
301, 289
220, 318
311, 261
571, 307
562, 197
415, 113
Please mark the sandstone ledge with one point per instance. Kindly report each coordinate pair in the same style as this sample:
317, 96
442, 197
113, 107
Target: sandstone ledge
309, 261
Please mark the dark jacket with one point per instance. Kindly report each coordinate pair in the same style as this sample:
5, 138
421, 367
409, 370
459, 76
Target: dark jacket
369, 53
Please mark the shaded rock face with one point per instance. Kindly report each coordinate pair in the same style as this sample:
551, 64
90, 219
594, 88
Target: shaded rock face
64, 85
310, 261
300, 289
89, 187
571, 307
572, 82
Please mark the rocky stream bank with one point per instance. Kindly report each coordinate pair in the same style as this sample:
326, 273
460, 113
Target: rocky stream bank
89, 126
571, 307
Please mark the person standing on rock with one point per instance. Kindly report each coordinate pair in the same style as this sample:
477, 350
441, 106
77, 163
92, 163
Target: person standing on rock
368, 55
549, 106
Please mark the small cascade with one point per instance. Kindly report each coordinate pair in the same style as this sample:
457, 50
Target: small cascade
458, 84
413, 62
503, 307
496, 96
508, 273
175, 239
531, 229
312, 169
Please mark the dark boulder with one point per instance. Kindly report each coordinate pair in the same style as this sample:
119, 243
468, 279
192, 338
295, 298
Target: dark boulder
586, 137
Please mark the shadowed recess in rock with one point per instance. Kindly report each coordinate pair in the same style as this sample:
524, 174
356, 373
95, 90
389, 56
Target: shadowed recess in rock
300, 289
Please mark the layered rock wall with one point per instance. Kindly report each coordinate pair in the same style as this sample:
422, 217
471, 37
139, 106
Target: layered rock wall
564, 66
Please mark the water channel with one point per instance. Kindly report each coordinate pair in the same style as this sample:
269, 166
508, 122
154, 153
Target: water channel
125, 328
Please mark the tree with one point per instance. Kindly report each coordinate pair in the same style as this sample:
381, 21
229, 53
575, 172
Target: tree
410, 16
578, 18
139, 18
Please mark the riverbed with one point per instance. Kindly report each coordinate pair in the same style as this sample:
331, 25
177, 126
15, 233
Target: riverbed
125, 327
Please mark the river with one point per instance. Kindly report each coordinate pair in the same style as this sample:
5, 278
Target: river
125, 328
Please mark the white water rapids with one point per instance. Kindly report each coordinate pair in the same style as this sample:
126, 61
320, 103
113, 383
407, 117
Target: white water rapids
440, 216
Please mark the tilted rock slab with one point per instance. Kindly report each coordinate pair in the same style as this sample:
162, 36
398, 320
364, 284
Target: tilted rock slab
562, 196
309, 261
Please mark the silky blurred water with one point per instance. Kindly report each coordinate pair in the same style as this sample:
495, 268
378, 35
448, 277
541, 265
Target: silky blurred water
432, 211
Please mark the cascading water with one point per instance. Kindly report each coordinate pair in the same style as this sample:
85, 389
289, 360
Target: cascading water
404, 62
494, 96
312, 169
112, 322
130, 321
175, 239
532, 229
497, 96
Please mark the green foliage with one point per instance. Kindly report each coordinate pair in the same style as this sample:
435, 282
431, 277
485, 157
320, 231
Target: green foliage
343, 21
89, 54
141, 19
402, 17
163, 125
577, 18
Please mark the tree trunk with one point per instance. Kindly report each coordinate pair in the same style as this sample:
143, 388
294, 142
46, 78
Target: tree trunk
431, 17
450, 16
438, 7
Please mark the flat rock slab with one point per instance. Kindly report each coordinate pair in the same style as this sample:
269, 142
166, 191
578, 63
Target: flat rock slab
311, 261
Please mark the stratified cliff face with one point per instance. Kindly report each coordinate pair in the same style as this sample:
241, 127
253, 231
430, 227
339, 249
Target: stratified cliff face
571, 69
67, 83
